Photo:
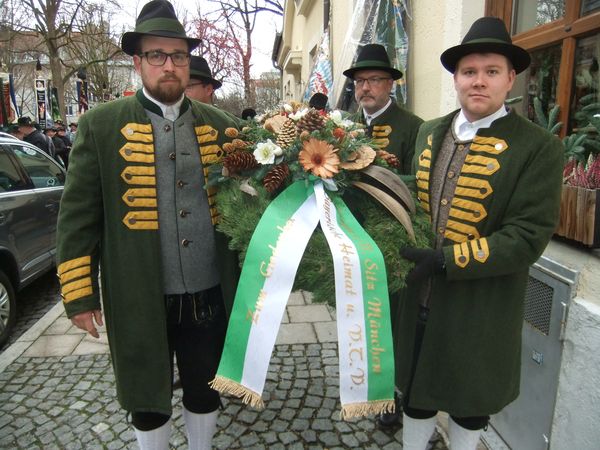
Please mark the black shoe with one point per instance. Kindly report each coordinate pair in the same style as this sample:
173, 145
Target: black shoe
391, 420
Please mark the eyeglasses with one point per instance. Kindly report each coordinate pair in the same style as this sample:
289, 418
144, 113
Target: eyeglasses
158, 58
191, 85
373, 81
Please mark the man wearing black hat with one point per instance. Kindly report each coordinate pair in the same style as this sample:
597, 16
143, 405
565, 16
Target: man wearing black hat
393, 128
135, 205
202, 85
32, 135
491, 182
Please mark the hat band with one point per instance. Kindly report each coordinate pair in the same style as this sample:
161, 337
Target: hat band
373, 62
487, 41
160, 24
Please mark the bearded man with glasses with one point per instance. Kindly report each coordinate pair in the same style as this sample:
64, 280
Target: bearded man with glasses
394, 128
135, 205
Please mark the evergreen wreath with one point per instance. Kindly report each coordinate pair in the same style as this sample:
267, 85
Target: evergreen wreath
299, 144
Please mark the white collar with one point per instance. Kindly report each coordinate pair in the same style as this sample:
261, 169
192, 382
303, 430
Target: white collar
175, 107
370, 117
466, 131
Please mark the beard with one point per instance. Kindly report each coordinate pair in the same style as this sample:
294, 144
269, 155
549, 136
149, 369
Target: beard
167, 93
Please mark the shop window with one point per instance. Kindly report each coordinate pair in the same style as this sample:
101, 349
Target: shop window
563, 39
586, 80
530, 14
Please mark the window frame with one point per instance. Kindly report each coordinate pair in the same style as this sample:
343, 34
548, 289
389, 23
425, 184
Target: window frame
565, 31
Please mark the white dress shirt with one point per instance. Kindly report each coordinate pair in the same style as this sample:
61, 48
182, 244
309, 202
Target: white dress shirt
465, 130
170, 112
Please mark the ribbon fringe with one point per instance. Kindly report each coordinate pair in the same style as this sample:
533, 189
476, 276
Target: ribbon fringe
363, 409
228, 386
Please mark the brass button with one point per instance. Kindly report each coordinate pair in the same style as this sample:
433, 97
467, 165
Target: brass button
132, 220
167, 128
129, 131
462, 259
470, 237
483, 190
183, 213
480, 254
172, 155
128, 176
441, 230
491, 166
450, 174
498, 146
128, 151
476, 214
444, 202
130, 198
185, 242
461, 147
180, 184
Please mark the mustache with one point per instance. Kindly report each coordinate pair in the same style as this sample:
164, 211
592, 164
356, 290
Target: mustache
366, 96
169, 76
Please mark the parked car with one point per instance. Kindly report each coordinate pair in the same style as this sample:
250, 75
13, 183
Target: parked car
31, 185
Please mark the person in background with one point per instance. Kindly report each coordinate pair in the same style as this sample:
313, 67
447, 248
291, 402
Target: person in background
202, 85
72, 132
15, 131
248, 113
318, 101
32, 135
66, 149
59, 145
491, 183
135, 206
392, 127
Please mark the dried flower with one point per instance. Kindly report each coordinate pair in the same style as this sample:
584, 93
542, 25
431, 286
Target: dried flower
320, 158
239, 144
266, 151
359, 159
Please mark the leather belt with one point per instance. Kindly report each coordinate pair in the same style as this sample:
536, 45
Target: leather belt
201, 306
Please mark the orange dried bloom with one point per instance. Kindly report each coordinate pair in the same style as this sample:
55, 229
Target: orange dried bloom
320, 158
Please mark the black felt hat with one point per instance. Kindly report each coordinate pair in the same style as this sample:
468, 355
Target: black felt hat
373, 57
157, 18
199, 70
318, 101
24, 121
487, 35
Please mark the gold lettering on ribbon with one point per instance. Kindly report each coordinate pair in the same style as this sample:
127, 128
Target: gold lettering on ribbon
374, 315
266, 268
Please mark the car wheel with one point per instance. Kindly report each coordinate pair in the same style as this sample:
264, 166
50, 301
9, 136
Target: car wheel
8, 308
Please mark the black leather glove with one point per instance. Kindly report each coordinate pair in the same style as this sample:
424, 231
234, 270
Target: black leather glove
427, 262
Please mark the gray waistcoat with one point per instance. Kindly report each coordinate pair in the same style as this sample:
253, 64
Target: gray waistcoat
186, 232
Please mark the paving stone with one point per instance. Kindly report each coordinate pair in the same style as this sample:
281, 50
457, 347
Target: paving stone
287, 437
329, 439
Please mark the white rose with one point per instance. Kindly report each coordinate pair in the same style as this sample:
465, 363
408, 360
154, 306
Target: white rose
265, 152
298, 115
336, 117
287, 108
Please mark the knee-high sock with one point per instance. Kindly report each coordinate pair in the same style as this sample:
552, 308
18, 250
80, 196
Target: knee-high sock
462, 438
157, 439
416, 432
200, 429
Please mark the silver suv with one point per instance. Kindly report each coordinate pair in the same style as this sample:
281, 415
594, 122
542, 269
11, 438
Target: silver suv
31, 185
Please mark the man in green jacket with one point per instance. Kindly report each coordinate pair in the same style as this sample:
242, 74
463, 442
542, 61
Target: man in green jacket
393, 128
136, 206
491, 182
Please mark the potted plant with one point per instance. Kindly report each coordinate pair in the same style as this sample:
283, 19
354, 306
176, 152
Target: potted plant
580, 202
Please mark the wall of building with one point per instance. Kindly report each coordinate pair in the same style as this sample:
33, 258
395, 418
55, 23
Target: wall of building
436, 26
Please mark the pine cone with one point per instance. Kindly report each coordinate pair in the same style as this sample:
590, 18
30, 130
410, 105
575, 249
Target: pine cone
287, 135
311, 121
275, 177
236, 162
389, 158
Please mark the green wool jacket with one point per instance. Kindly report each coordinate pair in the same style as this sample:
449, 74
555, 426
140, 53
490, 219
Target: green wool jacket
504, 211
395, 131
108, 218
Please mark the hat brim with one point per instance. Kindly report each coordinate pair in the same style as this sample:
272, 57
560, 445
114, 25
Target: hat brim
519, 57
395, 73
198, 76
129, 40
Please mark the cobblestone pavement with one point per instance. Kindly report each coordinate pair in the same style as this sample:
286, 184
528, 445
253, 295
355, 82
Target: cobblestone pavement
57, 391
69, 403
32, 303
